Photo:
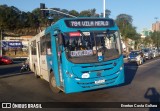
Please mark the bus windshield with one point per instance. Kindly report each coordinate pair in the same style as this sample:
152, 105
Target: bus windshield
86, 47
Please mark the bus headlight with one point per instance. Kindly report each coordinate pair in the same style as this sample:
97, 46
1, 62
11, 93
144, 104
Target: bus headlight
85, 75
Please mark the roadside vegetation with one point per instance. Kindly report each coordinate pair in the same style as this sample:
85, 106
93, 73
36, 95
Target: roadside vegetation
14, 22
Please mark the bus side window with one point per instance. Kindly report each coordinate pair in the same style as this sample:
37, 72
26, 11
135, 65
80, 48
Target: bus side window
43, 45
33, 48
48, 44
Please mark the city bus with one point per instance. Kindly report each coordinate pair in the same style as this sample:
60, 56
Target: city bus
78, 54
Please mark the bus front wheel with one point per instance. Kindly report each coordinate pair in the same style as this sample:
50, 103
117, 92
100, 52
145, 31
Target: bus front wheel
52, 84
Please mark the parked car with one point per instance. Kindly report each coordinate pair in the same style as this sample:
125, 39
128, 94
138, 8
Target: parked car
159, 52
137, 57
5, 60
155, 53
147, 53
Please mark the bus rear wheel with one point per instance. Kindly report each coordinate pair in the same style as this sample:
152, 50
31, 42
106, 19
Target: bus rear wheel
52, 83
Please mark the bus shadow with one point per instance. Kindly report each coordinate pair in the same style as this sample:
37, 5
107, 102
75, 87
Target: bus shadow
154, 98
14, 74
130, 70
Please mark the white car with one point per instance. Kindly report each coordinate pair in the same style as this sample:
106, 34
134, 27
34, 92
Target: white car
155, 53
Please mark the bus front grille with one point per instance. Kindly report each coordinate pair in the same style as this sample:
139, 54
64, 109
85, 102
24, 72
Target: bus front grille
86, 84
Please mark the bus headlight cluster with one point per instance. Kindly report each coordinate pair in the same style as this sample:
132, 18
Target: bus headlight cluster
85, 75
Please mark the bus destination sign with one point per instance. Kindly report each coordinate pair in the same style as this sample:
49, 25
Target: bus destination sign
89, 23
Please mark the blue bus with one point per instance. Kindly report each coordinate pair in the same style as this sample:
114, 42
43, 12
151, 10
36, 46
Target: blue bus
78, 54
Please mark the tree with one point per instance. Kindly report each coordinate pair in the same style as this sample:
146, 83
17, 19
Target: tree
124, 18
138, 42
127, 30
74, 12
107, 13
85, 13
93, 12
9, 17
155, 36
147, 41
65, 11
12, 18
89, 13
38, 17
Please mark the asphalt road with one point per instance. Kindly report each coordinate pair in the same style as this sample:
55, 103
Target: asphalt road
12, 69
142, 84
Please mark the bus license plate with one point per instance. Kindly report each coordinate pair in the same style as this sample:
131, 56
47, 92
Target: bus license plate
99, 81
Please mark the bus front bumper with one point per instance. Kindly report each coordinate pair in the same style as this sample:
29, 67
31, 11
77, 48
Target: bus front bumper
79, 85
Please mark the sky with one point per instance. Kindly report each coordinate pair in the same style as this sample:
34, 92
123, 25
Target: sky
143, 12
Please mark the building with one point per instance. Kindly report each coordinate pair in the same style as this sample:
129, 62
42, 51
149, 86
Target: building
156, 26
23, 39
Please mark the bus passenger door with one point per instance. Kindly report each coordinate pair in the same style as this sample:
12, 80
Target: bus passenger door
58, 63
43, 58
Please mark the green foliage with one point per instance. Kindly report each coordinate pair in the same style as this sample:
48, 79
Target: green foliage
85, 13
125, 18
74, 12
107, 13
12, 19
127, 30
155, 36
9, 17
88, 13
147, 41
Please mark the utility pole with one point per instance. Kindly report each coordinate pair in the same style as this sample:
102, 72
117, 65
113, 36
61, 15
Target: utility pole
104, 8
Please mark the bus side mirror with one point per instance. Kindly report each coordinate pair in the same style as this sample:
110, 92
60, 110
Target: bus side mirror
60, 39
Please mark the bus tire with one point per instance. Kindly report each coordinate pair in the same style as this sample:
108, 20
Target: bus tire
35, 73
52, 83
